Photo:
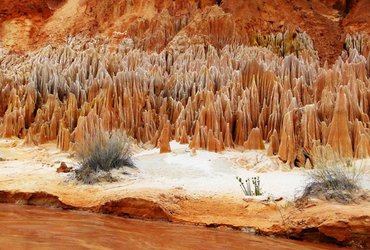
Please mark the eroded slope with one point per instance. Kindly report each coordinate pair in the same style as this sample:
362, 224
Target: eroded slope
153, 24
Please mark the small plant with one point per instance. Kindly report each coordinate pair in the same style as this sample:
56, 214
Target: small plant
279, 208
257, 187
246, 188
100, 153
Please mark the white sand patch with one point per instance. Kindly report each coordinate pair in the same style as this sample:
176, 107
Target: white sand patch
203, 174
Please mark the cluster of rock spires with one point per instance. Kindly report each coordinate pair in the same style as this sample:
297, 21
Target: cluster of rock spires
211, 98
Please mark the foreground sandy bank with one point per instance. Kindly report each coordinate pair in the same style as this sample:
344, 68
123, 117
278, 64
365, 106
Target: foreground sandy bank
74, 230
179, 187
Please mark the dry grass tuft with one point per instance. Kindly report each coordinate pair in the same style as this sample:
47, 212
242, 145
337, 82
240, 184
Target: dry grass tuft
333, 178
100, 153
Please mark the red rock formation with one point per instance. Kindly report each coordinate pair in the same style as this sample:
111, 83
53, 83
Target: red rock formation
63, 139
274, 144
164, 139
156, 24
208, 97
339, 137
254, 140
363, 147
63, 168
287, 149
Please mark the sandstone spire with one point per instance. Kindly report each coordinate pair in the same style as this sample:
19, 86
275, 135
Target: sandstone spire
339, 135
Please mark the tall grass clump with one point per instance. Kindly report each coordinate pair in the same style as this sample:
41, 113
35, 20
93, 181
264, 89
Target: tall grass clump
100, 153
246, 188
333, 178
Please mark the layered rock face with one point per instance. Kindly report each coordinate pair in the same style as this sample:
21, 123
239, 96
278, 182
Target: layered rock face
211, 98
152, 24
211, 74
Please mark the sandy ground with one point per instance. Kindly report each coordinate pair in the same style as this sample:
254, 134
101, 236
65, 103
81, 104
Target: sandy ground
203, 174
197, 189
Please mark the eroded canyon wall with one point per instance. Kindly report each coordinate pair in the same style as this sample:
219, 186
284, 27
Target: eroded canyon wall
211, 98
30, 24
192, 71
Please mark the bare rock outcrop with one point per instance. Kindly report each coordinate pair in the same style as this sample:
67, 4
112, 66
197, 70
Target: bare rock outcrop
254, 140
212, 98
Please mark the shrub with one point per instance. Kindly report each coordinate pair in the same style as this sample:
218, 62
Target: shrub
100, 153
333, 178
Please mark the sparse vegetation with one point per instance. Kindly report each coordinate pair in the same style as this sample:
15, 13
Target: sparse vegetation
280, 208
100, 153
360, 42
283, 44
333, 178
246, 188
257, 186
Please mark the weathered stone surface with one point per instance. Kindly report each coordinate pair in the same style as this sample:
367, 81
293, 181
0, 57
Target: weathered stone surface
211, 98
274, 144
254, 140
339, 135
63, 168
164, 139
